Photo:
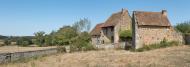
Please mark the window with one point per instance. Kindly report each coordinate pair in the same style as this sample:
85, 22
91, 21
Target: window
112, 29
102, 41
106, 30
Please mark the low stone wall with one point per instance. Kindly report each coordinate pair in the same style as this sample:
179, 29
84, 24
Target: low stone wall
8, 57
111, 46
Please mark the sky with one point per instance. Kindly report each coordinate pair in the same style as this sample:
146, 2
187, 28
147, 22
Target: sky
24, 17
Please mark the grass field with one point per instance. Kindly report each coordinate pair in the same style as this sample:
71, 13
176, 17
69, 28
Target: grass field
177, 56
10, 49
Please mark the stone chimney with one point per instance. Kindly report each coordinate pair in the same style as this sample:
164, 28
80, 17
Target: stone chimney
123, 10
164, 12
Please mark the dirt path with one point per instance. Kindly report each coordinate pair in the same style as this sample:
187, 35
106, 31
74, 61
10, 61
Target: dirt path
178, 56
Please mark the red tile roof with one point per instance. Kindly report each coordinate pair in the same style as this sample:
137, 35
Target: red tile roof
116, 18
97, 29
151, 18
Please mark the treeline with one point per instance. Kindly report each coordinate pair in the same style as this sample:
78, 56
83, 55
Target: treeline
184, 28
17, 40
75, 35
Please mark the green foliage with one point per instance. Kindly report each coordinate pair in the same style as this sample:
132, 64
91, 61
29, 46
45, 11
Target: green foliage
3, 37
7, 42
61, 49
82, 25
39, 38
24, 41
183, 27
125, 34
82, 42
65, 35
76, 36
20, 40
163, 44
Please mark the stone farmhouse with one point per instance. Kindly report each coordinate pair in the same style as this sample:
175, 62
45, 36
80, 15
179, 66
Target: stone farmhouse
152, 27
108, 32
147, 28
96, 33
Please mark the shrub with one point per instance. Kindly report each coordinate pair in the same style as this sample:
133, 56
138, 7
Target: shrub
61, 49
163, 44
183, 27
125, 34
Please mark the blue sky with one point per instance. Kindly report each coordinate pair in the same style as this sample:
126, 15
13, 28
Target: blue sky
24, 17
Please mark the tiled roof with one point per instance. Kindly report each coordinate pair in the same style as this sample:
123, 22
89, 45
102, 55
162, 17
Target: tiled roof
116, 17
151, 18
97, 29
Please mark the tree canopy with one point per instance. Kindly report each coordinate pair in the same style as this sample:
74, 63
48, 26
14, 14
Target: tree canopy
183, 27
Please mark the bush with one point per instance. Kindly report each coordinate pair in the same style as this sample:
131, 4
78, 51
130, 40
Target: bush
183, 27
81, 45
163, 44
23, 41
125, 34
61, 49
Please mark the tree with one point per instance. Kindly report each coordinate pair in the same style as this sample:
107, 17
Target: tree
125, 34
24, 41
82, 42
76, 36
82, 25
65, 34
48, 40
183, 27
39, 38
53, 38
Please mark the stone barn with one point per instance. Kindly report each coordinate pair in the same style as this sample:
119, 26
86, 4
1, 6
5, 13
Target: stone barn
113, 25
95, 34
152, 27
107, 33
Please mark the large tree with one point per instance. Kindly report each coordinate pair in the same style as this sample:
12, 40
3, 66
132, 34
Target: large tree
65, 34
39, 38
183, 27
82, 25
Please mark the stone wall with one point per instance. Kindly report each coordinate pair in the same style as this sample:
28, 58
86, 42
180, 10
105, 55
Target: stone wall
125, 23
146, 35
96, 40
8, 57
106, 34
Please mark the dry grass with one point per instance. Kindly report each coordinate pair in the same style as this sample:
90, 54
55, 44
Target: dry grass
178, 56
10, 49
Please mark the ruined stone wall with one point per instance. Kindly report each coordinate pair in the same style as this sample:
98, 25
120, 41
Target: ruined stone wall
9, 57
106, 37
96, 40
152, 34
122, 22
116, 33
125, 23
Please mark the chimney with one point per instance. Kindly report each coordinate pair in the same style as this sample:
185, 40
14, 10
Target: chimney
123, 10
164, 12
